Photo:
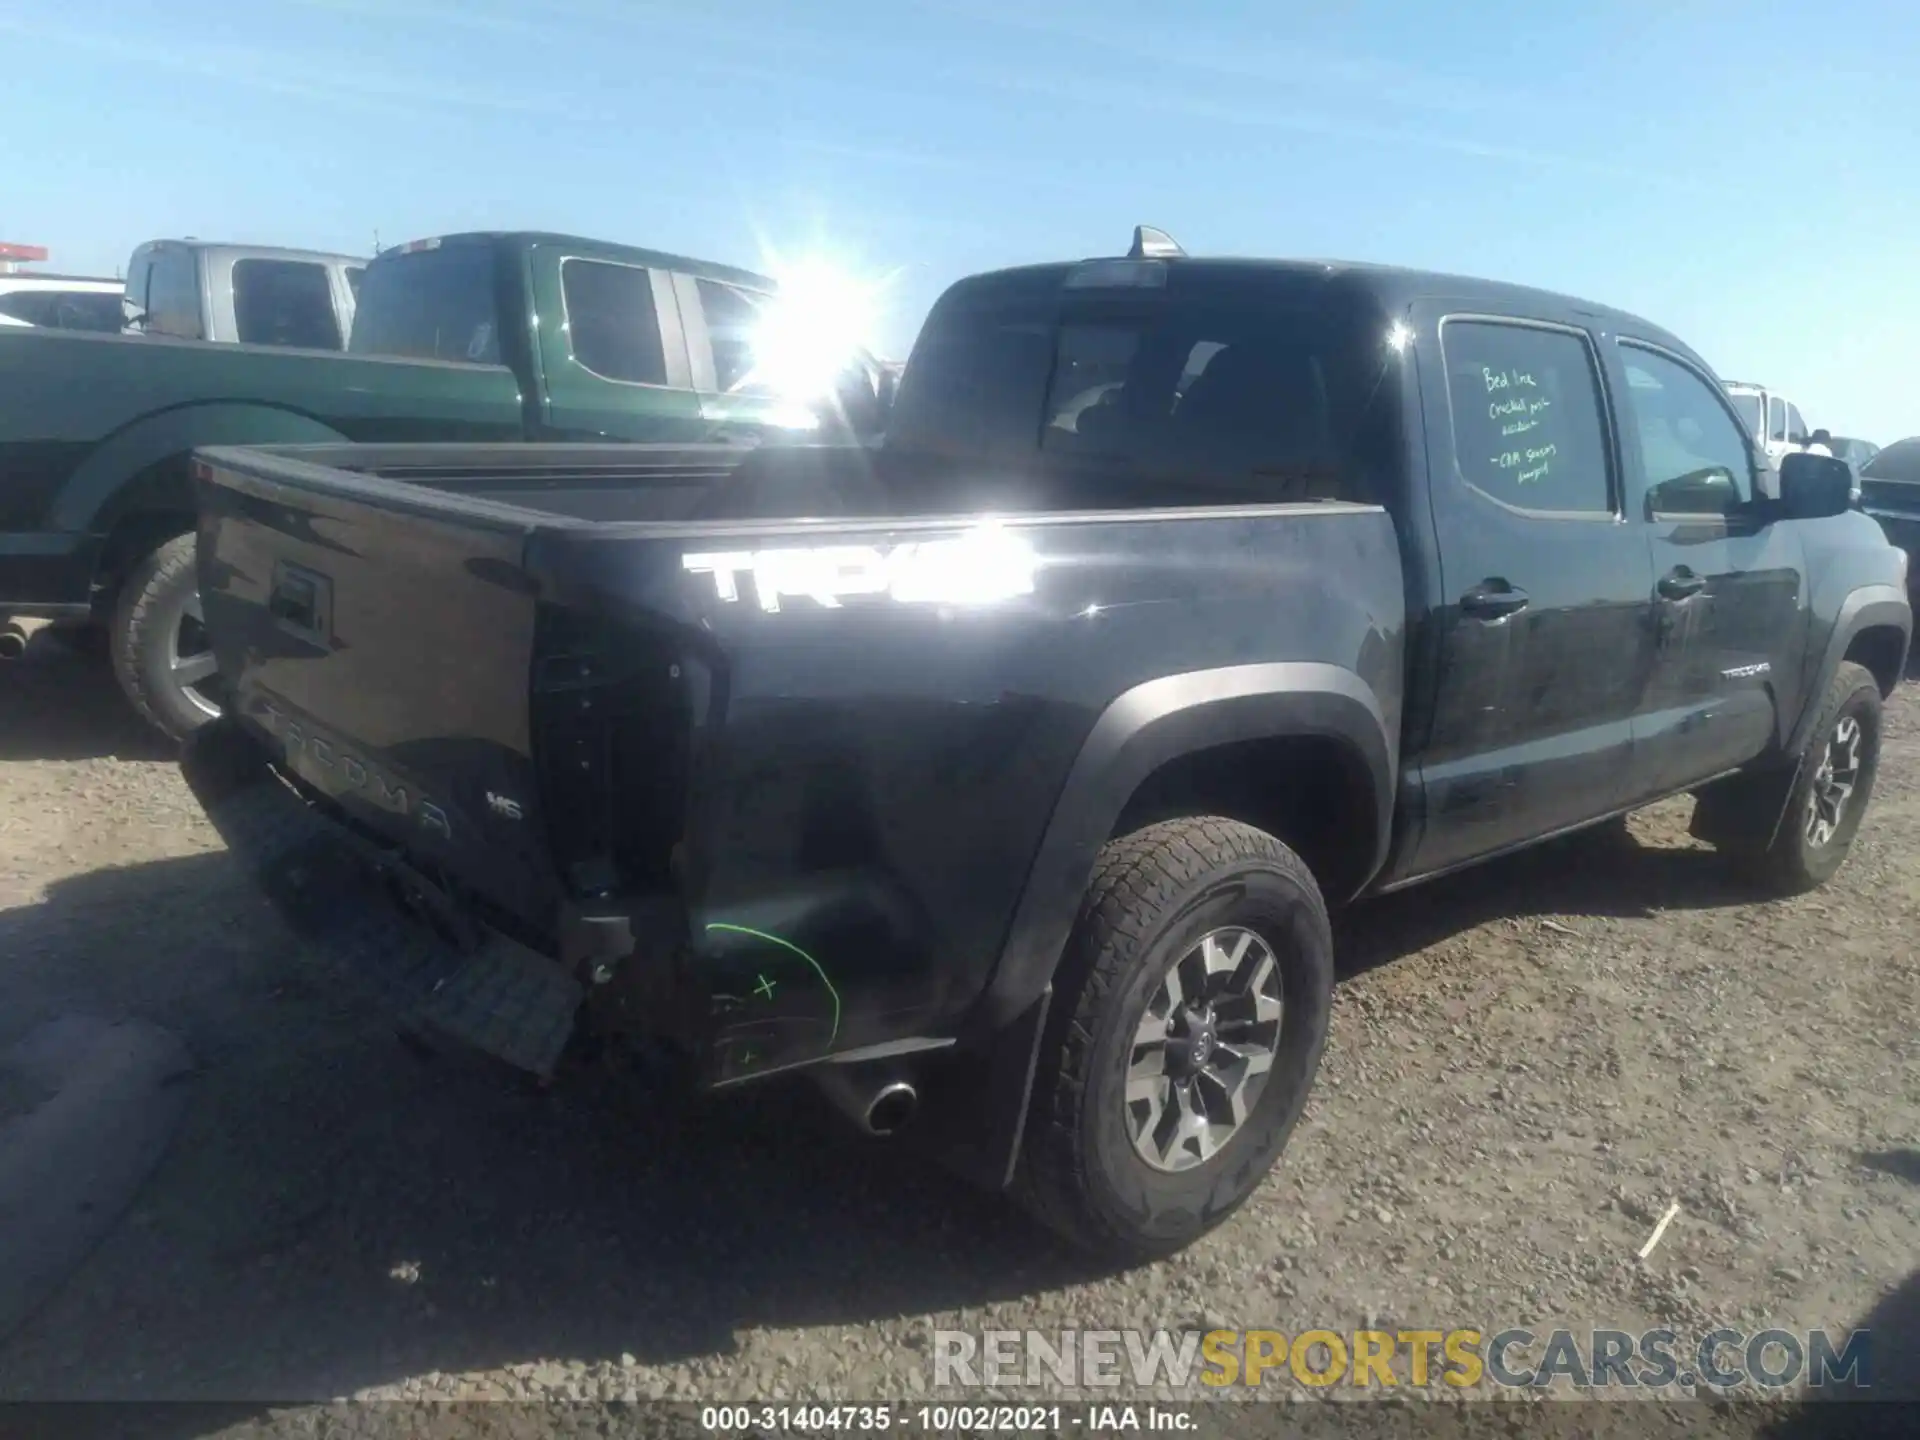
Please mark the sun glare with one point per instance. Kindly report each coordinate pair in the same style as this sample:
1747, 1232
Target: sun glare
822, 319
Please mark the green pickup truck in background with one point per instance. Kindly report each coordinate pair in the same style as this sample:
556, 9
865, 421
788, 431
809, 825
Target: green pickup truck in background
478, 337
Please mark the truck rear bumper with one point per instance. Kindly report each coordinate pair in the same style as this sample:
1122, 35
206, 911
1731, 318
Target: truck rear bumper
386, 924
47, 576
366, 910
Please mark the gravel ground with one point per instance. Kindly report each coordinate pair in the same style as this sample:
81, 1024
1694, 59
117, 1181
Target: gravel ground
1528, 1064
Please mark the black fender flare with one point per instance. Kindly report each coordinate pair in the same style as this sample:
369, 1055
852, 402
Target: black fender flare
1147, 726
88, 497
1868, 607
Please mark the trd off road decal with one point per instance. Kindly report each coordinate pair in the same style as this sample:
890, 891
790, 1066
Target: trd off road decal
983, 565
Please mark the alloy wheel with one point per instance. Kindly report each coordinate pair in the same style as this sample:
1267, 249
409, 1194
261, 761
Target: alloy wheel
1202, 1052
1833, 782
192, 668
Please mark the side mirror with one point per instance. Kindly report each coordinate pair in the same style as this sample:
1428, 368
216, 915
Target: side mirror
1813, 487
1699, 492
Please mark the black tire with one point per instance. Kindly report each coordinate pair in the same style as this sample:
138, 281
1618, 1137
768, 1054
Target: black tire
1155, 894
1787, 857
146, 621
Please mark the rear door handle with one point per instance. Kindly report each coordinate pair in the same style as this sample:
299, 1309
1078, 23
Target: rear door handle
1493, 600
1680, 584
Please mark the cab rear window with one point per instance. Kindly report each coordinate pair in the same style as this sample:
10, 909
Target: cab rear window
1233, 400
429, 305
1176, 402
284, 302
65, 309
974, 387
1891, 479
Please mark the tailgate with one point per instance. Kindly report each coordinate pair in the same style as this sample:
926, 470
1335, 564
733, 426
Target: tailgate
379, 638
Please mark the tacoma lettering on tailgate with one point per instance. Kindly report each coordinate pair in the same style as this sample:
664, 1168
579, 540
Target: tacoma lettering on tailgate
299, 739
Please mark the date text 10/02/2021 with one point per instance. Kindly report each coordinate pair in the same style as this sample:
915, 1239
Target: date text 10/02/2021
945, 1419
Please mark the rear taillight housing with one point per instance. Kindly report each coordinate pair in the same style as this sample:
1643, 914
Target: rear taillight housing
612, 720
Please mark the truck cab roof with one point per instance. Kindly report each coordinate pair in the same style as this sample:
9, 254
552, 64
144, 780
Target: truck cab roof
597, 249
41, 279
1390, 288
234, 250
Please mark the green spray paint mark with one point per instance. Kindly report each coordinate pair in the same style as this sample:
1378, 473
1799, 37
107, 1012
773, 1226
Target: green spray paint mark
788, 945
765, 988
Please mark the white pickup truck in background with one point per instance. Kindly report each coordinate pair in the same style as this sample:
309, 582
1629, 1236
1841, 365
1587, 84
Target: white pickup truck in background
60, 302
1774, 421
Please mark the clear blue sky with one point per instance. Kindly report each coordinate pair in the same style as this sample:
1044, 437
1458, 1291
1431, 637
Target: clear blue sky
1746, 174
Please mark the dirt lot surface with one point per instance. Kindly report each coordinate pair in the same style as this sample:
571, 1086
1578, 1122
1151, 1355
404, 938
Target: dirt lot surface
1529, 1064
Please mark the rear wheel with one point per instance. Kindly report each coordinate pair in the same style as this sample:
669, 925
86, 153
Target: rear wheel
161, 654
1188, 1019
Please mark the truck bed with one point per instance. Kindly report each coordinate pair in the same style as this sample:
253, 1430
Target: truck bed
1896, 505
84, 414
550, 483
767, 695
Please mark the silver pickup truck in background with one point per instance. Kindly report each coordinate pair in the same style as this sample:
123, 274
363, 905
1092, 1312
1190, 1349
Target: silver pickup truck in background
252, 294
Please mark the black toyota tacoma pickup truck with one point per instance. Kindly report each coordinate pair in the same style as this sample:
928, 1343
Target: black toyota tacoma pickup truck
1001, 776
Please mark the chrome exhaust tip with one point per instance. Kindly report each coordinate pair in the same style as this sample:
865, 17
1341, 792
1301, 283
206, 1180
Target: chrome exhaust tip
13, 640
890, 1111
877, 1106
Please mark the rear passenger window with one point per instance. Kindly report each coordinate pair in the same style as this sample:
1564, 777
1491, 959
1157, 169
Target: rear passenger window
1527, 421
614, 328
